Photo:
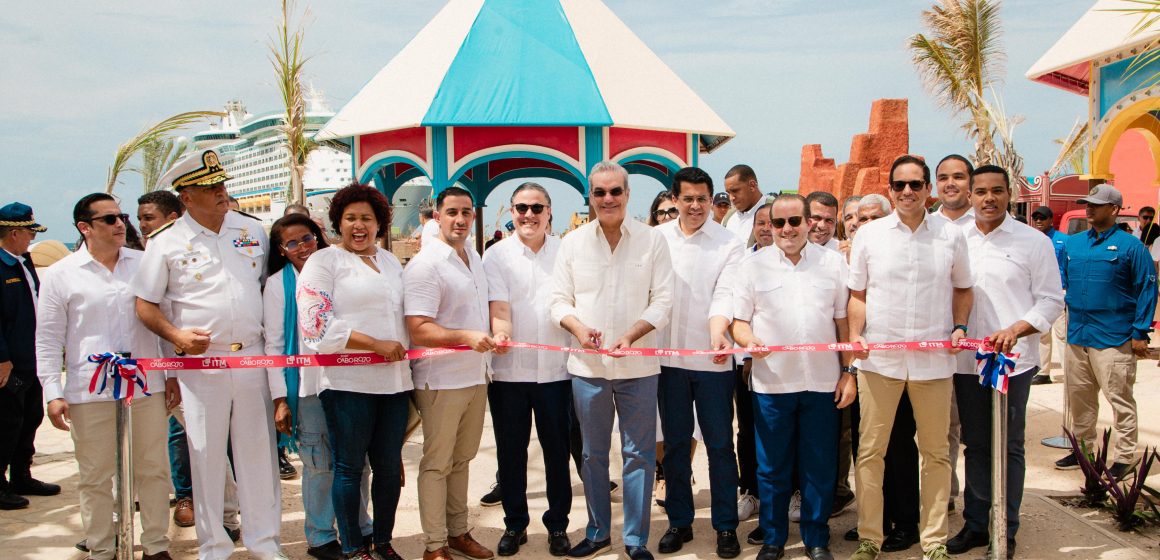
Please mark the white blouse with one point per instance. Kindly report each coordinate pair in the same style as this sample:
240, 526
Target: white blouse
273, 303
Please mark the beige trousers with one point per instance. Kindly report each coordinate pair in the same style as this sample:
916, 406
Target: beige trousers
1111, 371
1054, 337
878, 396
94, 435
452, 421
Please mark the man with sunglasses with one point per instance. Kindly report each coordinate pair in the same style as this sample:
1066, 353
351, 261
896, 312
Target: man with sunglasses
529, 382
704, 258
209, 266
1149, 231
613, 286
1111, 297
910, 280
1042, 220
786, 294
86, 308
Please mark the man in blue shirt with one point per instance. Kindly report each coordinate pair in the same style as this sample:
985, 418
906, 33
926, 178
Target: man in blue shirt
1111, 295
1041, 219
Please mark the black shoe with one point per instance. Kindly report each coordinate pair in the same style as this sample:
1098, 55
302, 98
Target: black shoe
674, 539
33, 487
1041, 379
492, 498
638, 553
286, 470
509, 543
1120, 470
1010, 550
558, 543
841, 504
588, 548
10, 500
727, 545
234, 534
329, 551
613, 487
385, 552
771, 552
756, 536
1068, 463
966, 540
900, 539
82, 546
820, 553
851, 535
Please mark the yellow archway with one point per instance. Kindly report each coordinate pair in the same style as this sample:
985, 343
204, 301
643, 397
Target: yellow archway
1137, 116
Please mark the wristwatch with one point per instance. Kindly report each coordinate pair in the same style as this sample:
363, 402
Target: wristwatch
960, 328
850, 370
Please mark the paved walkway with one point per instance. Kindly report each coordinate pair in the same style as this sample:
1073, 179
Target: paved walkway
49, 528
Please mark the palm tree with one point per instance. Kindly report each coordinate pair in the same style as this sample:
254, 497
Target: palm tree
1072, 151
157, 156
1149, 12
155, 133
288, 60
959, 58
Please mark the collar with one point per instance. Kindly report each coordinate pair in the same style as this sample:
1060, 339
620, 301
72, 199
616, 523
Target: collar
443, 250
84, 257
10, 259
625, 227
896, 222
805, 252
1096, 237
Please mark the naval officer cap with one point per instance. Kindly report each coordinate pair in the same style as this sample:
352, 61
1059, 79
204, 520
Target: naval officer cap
199, 169
19, 215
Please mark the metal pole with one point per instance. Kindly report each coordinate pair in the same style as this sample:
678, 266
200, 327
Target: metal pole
124, 478
999, 475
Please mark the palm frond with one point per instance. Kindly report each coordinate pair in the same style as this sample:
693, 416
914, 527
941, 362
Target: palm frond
288, 61
1072, 150
1148, 10
153, 133
939, 74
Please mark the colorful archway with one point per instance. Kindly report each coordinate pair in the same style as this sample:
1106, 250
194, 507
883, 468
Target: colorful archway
1143, 116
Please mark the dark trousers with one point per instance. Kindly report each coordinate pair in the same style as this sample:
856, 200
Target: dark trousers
796, 430
179, 460
746, 440
21, 411
711, 392
900, 504
365, 428
975, 417
513, 405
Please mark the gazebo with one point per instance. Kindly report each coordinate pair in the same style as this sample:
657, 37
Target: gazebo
495, 90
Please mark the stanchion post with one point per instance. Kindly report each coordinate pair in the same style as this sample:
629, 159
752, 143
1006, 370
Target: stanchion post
124, 477
999, 475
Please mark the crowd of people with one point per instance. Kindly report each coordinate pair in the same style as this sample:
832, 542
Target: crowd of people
711, 271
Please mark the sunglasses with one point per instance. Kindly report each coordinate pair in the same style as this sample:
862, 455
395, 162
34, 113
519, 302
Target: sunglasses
109, 219
522, 209
899, 186
614, 192
294, 244
794, 221
671, 212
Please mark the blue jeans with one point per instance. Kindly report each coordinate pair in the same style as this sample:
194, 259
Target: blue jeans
634, 401
179, 460
318, 476
796, 429
975, 418
364, 426
512, 407
712, 393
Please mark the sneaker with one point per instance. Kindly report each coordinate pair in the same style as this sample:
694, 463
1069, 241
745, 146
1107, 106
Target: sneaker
492, 498
842, 504
386, 552
867, 550
1068, 463
360, 554
1120, 470
795, 507
936, 553
747, 505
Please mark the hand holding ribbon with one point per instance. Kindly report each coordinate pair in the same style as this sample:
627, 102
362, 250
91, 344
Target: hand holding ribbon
993, 367
126, 374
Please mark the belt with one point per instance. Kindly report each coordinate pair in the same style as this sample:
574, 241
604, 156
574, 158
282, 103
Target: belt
223, 347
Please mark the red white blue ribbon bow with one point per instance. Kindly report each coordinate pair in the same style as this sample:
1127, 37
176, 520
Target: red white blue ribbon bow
125, 373
993, 367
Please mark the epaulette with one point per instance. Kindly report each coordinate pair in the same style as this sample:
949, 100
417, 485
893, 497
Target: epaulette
167, 225
250, 216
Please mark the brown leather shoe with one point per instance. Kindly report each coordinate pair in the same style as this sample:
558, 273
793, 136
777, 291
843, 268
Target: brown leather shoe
163, 555
467, 546
183, 512
440, 554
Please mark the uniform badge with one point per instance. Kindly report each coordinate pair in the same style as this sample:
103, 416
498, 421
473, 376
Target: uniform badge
1112, 247
244, 240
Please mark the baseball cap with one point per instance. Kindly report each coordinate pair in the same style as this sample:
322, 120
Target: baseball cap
720, 198
1042, 212
1103, 194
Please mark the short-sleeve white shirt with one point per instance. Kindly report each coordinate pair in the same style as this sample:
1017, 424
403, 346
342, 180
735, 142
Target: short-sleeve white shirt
522, 278
439, 285
909, 279
793, 304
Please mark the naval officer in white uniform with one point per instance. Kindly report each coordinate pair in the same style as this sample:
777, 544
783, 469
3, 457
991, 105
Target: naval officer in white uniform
209, 266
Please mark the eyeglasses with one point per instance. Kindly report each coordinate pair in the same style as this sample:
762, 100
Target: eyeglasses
109, 219
671, 212
899, 186
522, 209
614, 192
296, 243
794, 221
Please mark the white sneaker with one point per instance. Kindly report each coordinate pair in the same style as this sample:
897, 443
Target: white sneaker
747, 505
795, 507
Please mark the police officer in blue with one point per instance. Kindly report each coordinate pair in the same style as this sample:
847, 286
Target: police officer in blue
1042, 219
21, 397
1111, 296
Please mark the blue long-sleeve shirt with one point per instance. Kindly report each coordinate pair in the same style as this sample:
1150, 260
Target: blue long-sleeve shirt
1058, 239
1111, 288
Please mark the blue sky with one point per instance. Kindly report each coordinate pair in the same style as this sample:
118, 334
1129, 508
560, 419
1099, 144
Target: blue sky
79, 78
